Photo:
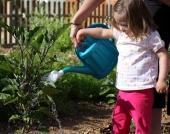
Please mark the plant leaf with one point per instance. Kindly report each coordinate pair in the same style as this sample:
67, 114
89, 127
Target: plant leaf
12, 100
44, 110
4, 96
14, 117
10, 29
111, 101
12, 88
110, 96
104, 91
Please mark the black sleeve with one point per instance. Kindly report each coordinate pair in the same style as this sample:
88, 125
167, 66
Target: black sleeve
162, 20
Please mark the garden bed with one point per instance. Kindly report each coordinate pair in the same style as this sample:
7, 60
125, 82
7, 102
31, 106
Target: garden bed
95, 119
88, 119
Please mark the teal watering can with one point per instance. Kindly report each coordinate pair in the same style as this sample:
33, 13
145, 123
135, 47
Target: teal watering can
99, 57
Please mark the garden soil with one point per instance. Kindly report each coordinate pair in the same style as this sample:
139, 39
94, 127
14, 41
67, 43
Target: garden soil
89, 119
94, 119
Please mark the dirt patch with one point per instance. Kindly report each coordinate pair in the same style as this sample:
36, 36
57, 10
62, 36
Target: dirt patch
94, 119
90, 119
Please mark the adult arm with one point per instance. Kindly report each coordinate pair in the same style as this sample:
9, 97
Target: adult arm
85, 10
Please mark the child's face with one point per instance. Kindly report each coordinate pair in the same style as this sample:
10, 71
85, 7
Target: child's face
121, 22
124, 28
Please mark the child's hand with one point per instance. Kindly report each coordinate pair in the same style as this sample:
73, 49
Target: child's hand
161, 86
73, 33
80, 36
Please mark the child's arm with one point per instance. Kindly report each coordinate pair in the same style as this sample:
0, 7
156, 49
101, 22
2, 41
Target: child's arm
163, 70
94, 32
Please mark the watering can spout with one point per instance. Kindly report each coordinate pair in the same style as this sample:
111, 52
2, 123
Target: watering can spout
54, 75
78, 69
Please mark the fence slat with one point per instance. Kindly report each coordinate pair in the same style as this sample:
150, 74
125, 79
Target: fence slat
12, 13
11, 8
5, 20
59, 10
69, 11
0, 35
28, 11
49, 9
103, 12
54, 7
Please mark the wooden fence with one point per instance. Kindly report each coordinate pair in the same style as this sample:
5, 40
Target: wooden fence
17, 12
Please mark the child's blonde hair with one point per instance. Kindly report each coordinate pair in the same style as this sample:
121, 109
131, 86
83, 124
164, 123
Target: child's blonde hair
134, 15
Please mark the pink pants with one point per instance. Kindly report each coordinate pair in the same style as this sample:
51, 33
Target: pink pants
136, 105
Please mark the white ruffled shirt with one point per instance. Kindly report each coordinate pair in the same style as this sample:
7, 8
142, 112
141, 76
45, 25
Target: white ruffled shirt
137, 67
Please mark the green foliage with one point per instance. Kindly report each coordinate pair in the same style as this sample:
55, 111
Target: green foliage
45, 46
108, 88
79, 87
21, 72
73, 86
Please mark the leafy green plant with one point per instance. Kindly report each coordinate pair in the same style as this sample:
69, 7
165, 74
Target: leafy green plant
108, 90
80, 87
21, 72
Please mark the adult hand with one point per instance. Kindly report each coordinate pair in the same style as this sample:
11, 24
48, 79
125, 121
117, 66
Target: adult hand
73, 33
